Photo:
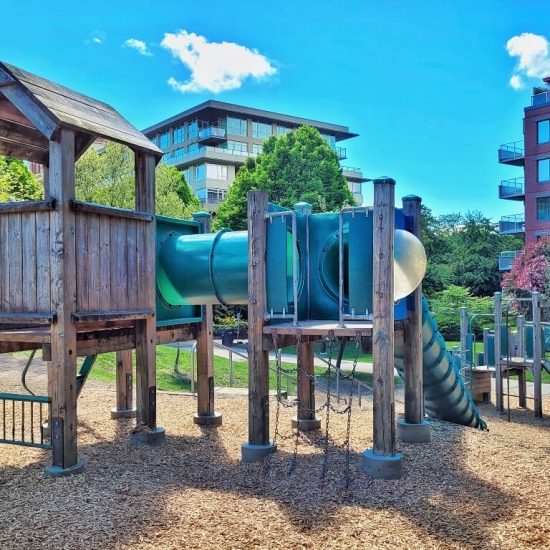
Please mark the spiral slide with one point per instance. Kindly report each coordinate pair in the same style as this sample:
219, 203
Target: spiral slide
445, 394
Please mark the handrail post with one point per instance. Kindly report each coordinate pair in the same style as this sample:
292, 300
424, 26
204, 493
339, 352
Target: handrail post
382, 461
537, 355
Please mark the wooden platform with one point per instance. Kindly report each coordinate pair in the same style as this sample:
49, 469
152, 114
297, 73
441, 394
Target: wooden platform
321, 328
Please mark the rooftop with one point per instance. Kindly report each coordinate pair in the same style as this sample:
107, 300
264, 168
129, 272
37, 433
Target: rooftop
213, 107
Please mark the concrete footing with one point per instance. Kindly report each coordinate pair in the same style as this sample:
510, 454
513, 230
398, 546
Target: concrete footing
306, 425
413, 433
123, 413
208, 420
57, 471
254, 453
382, 466
151, 438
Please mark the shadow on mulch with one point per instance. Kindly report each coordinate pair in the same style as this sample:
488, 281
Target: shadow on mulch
124, 489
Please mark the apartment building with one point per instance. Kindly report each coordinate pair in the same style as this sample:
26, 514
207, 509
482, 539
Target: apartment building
209, 142
530, 188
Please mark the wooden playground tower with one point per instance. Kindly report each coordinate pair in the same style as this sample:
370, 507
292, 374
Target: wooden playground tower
78, 279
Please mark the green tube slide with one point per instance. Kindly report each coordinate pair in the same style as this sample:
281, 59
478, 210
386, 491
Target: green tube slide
445, 394
212, 268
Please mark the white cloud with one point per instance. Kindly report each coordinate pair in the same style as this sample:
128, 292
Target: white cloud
214, 66
96, 37
516, 82
533, 59
139, 46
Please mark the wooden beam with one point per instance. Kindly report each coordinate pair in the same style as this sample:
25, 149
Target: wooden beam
383, 318
27, 206
62, 371
206, 412
145, 329
167, 335
305, 419
92, 208
258, 360
24, 152
9, 112
23, 134
121, 315
41, 119
83, 143
414, 399
27, 318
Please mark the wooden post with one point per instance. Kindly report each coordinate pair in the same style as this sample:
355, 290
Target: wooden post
537, 355
206, 414
413, 428
382, 461
146, 390
124, 390
305, 420
62, 368
498, 353
258, 445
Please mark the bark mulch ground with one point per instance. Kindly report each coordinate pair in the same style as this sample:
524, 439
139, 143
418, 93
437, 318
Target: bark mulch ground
465, 489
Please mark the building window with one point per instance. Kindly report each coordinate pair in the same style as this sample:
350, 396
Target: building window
178, 153
155, 140
237, 126
179, 134
260, 130
167, 158
193, 148
543, 170
165, 140
199, 172
543, 209
257, 149
331, 140
186, 174
216, 171
192, 130
543, 131
237, 146
282, 130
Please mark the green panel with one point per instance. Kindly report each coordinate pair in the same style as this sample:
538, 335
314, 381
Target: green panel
359, 259
278, 251
469, 348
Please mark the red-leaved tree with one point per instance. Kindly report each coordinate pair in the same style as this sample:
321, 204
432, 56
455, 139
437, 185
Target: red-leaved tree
530, 270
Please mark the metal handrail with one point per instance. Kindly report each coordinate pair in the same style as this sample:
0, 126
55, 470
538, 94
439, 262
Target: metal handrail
517, 148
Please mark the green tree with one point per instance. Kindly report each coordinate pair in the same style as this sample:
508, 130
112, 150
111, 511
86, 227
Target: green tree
299, 166
107, 177
17, 182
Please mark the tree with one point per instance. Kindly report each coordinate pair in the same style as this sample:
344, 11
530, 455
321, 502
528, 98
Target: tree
530, 270
17, 182
107, 177
299, 166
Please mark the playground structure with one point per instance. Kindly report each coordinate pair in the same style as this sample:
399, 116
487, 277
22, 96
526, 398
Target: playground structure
519, 351
79, 279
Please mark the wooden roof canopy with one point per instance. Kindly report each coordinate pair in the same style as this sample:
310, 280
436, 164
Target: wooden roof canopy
33, 110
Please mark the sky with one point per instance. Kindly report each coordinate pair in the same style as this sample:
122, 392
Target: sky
432, 87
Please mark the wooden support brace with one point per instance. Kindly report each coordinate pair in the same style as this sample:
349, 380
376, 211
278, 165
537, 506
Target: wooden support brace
206, 414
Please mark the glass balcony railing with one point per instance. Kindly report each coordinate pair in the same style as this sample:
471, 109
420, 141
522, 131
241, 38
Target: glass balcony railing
540, 99
352, 169
341, 152
506, 258
169, 158
510, 225
212, 134
512, 188
512, 153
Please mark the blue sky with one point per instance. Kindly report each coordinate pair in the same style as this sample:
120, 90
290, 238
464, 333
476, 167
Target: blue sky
424, 83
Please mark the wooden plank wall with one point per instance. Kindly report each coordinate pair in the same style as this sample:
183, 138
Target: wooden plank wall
25, 263
109, 260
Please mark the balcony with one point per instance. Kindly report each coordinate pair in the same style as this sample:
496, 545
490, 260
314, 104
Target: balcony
341, 152
512, 225
513, 189
353, 174
540, 99
212, 135
506, 258
210, 199
512, 153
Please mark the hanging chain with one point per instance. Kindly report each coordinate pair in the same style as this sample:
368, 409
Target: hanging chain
328, 407
299, 372
350, 404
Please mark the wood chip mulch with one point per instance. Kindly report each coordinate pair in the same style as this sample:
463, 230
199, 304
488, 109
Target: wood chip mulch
465, 489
